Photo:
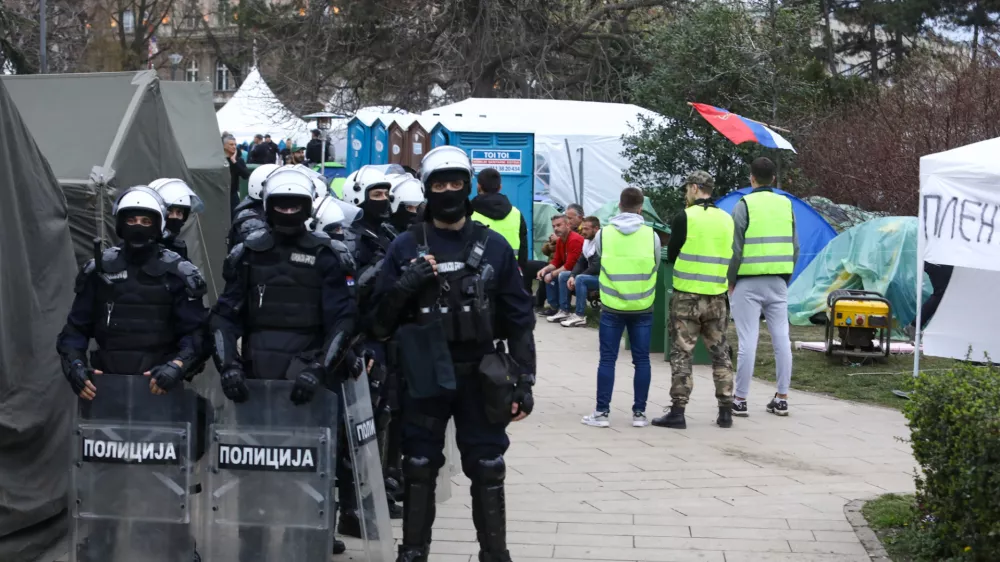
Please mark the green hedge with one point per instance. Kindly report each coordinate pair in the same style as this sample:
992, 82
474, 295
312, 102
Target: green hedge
955, 424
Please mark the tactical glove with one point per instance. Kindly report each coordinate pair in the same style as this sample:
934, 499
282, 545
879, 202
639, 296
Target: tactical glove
523, 397
167, 376
78, 374
415, 276
234, 385
354, 364
306, 385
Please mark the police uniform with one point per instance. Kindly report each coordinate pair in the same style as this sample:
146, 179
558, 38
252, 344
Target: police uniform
287, 297
142, 304
248, 217
447, 325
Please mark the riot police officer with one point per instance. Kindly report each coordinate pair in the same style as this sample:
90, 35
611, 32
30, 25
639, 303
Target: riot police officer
181, 201
287, 296
142, 304
405, 195
249, 214
451, 280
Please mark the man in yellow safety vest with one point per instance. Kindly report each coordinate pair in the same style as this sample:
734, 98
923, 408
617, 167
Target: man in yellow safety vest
493, 209
629, 253
701, 247
765, 249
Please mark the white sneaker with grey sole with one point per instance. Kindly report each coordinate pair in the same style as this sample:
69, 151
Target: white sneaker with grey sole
597, 419
558, 317
573, 321
639, 419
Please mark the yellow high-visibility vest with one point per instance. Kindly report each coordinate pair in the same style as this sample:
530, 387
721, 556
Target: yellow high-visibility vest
703, 263
509, 227
768, 246
628, 269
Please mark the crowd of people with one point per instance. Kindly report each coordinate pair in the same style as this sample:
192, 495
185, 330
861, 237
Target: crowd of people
395, 283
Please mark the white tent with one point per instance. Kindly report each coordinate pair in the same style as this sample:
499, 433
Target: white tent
578, 145
254, 109
960, 226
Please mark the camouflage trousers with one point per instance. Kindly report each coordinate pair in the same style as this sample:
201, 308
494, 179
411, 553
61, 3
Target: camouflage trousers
691, 316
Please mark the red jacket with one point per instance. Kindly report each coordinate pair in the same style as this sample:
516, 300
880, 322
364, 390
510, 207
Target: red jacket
568, 251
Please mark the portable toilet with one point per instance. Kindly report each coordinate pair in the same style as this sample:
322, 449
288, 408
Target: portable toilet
418, 143
397, 136
380, 142
359, 140
511, 154
439, 135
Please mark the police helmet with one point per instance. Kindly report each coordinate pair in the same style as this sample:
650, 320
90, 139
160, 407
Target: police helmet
255, 185
327, 212
288, 182
368, 178
321, 187
177, 193
140, 200
406, 190
445, 159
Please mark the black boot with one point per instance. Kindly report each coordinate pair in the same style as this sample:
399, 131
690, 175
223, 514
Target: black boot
349, 524
418, 509
489, 512
339, 547
725, 417
674, 419
395, 510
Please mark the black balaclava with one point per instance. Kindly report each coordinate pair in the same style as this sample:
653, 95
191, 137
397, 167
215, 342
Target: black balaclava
403, 218
174, 226
139, 240
449, 206
376, 212
289, 224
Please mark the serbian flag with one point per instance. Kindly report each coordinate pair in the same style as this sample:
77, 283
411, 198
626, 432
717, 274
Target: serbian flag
740, 129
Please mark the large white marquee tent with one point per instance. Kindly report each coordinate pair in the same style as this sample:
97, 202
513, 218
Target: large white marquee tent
254, 109
960, 226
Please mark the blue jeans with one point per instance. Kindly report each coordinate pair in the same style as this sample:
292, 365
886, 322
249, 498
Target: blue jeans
557, 293
640, 330
584, 284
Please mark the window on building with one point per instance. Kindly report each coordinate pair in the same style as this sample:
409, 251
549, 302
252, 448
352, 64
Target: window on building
191, 74
128, 21
223, 80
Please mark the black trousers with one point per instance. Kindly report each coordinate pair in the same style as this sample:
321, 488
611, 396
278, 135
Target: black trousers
531, 270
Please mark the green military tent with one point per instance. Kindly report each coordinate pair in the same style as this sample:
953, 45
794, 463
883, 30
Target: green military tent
105, 132
36, 291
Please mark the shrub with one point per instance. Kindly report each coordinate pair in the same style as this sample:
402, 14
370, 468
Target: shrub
955, 424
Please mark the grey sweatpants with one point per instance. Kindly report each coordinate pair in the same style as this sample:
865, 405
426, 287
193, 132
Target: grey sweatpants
751, 296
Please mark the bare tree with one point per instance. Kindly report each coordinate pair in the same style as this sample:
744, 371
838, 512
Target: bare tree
68, 35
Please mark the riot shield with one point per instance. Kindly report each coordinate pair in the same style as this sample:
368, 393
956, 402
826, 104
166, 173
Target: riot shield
270, 476
132, 472
369, 483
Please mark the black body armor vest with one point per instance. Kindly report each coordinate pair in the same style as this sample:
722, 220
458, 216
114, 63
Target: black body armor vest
284, 312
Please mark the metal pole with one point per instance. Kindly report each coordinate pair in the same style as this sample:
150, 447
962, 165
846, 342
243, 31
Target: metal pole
322, 157
173, 72
43, 58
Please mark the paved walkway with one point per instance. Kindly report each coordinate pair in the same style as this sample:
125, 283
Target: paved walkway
770, 489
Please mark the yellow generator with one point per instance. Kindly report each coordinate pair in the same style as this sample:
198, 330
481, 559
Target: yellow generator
862, 321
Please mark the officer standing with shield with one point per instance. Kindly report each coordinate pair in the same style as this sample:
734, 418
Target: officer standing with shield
449, 288
287, 297
142, 304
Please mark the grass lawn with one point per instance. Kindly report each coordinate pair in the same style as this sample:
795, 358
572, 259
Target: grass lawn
891, 517
813, 371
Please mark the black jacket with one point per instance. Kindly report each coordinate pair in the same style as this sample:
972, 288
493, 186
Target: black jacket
260, 154
237, 170
314, 150
496, 206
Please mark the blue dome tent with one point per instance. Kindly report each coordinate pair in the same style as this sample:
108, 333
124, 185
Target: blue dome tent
813, 230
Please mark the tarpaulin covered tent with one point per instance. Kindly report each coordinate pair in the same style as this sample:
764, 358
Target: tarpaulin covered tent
959, 204
813, 231
876, 256
254, 109
36, 290
104, 132
578, 145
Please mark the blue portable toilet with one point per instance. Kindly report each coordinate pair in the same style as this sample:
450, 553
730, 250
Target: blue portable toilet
359, 140
380, 141
511, 154
439, 136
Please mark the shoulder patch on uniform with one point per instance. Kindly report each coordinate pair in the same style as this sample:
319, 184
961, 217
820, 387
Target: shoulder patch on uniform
303, 258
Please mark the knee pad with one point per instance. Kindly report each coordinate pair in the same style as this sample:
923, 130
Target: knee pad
491, 471
419, 469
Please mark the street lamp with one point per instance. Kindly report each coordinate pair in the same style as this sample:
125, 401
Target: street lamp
324, 122
175, 59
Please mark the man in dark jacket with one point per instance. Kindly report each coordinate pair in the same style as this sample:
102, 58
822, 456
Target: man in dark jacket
493, 209
314, 150
260, 152
583, 278
272, 150
237, 169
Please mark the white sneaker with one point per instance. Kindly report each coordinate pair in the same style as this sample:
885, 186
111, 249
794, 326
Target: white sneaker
574, 320
597, 419
558, 317
639, 419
